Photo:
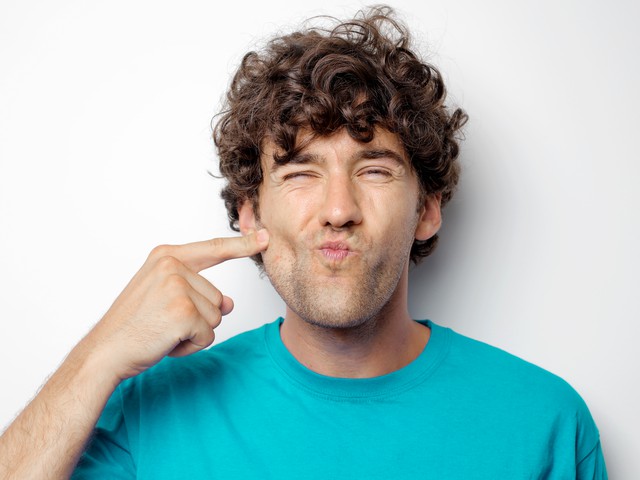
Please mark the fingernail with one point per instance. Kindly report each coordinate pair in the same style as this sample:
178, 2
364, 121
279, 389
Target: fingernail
262, 236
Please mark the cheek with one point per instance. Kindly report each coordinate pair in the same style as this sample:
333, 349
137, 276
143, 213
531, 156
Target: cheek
392, 218
278, 226
281, 237
286, 218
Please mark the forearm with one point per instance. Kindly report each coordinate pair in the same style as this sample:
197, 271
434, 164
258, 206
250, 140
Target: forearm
48, 437
167, 308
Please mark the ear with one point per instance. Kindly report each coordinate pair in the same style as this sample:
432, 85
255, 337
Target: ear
246, 218
430, 217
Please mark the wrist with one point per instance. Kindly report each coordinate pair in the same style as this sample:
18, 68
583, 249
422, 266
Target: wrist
93, 369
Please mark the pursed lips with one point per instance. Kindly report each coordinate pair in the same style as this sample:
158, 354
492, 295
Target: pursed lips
335, 251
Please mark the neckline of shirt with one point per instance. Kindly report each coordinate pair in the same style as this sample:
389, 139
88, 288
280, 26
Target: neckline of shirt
359, 389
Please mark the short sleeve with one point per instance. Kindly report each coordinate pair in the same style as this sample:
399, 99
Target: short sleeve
590, 463
592, 467
108, 454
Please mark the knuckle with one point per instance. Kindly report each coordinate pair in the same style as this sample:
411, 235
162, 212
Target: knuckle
213, 315
216, 243
216, 318
160, 251
217, 298
168, 264
218, 246
176, 282
205, 337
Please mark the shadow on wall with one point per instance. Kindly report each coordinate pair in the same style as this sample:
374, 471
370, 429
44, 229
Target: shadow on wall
431, 282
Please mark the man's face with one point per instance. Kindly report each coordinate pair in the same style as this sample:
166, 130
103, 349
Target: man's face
342, 217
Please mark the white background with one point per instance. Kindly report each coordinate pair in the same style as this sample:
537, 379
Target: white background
105, 111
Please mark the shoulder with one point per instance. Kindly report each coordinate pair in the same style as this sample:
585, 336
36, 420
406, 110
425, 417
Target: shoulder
513, 402
508, 379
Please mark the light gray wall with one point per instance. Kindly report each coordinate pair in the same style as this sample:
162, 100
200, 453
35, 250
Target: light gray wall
104, 146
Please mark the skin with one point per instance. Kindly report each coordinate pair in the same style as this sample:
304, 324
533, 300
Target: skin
166, 309
342, 217
340, 231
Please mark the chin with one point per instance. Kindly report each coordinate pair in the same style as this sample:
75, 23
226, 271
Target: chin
337, 320
353, 299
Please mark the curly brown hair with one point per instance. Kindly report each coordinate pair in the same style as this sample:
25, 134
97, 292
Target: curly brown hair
358, 75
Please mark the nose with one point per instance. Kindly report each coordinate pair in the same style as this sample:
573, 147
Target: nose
341, 206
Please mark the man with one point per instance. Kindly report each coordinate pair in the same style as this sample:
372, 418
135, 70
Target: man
339, 154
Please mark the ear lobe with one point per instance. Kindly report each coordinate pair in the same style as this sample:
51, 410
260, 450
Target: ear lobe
246, 218
430, 218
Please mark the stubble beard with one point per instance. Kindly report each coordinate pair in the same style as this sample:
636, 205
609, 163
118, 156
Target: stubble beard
327, 301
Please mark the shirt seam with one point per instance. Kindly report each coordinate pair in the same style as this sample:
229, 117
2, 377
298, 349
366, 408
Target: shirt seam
593, 449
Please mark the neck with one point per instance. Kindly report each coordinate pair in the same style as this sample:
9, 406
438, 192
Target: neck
380, 345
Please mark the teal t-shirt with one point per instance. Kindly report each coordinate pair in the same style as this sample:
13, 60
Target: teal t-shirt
247, 409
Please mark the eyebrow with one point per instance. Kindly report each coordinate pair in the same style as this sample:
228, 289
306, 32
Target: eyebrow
364, 154
381, 153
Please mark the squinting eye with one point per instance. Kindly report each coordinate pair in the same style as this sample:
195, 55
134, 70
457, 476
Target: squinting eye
377, 171
291, 176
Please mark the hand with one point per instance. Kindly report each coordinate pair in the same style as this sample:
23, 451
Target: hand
168, 308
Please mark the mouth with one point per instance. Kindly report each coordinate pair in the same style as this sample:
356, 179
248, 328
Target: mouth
335, 251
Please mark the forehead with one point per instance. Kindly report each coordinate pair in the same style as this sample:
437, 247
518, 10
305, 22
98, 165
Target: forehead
315, 146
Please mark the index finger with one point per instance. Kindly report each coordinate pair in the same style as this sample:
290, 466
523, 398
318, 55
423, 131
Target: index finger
200, 255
